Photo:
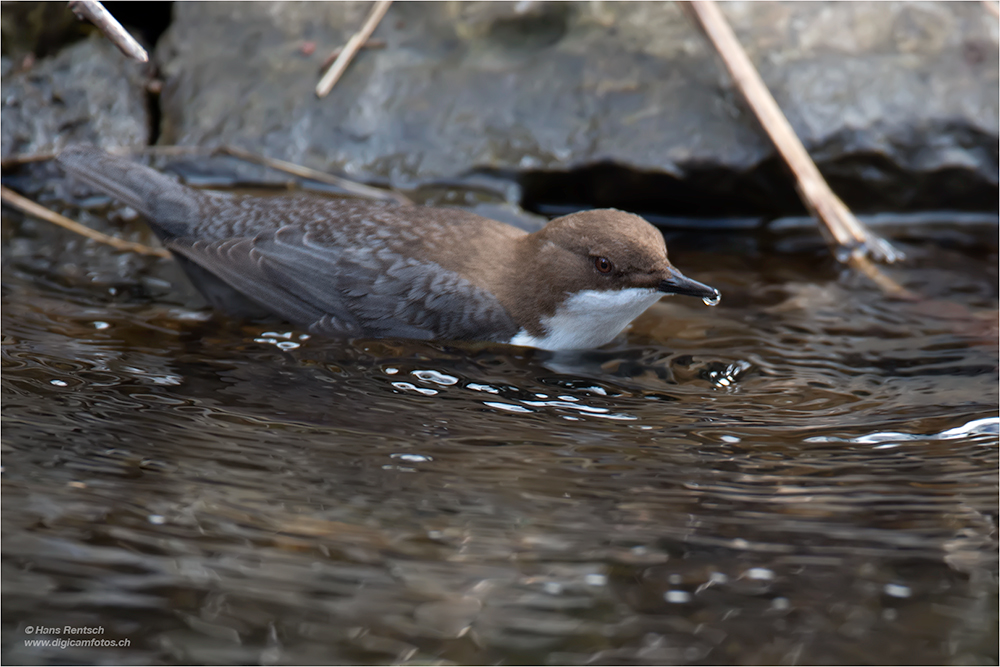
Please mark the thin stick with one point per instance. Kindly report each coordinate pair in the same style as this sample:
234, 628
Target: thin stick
162, 150
353, 187
992, 8
25, 158
370, 44
883, 281
851, 238
314, 175
333, 74
112, 29
24, 204
18, 160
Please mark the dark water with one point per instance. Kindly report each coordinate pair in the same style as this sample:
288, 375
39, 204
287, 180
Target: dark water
806, 474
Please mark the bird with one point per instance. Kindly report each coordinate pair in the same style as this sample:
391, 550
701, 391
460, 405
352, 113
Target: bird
357, 268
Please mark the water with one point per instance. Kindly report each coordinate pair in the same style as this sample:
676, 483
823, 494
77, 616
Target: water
805, 474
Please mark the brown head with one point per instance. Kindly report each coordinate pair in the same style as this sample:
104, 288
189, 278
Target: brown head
614, 264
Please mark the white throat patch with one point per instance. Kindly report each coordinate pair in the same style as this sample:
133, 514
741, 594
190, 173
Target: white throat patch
590, 318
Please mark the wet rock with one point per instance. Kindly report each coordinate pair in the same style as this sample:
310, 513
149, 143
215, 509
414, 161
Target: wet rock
88, 92
896, 101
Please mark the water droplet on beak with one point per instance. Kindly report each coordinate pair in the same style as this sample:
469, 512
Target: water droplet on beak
712, 300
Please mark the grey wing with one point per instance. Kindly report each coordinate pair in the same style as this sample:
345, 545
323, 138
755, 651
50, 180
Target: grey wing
351, 291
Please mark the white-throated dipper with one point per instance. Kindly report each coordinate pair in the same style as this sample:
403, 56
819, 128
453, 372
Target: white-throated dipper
360, 268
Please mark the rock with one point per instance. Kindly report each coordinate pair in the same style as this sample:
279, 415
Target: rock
604, 103
88, 92
620, 104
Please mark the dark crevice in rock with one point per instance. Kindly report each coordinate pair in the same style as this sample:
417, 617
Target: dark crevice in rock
146, 20
707, 193
155, 114
766, 191
530, 32
42, 29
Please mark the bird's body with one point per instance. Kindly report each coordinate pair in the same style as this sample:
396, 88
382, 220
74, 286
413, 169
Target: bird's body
359, 268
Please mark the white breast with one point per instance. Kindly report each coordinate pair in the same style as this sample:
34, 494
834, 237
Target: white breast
590, 319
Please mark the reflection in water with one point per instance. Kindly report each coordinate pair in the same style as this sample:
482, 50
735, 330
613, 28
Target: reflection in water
804, 474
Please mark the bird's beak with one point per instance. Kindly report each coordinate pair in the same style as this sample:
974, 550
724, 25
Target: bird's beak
677, 283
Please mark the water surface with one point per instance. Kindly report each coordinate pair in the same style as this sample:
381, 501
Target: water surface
805, 474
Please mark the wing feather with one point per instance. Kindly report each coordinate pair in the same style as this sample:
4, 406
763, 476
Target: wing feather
352, 291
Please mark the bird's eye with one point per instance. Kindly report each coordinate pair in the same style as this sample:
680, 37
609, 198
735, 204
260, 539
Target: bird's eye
603, 264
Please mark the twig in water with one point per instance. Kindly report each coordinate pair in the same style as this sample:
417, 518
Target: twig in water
881, 279
370, 44
112, 29
24, 204
314, 175
852, 240
333, 74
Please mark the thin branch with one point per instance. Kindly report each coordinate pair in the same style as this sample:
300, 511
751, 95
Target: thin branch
314, 175
852, 239
25, 158
112, 29
370, 44
992, 8
333, 74
162, 150
359, 189
881, 279
24, 204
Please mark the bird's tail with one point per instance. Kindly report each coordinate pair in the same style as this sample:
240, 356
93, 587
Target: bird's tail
168, 205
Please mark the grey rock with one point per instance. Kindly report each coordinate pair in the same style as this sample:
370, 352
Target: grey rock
87, 93
897, 101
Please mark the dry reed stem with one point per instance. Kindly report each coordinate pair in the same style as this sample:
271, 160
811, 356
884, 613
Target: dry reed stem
112, 29
881, 279
336, 70
370, 44
26, 158
852, 240
353, 187
18, 160
314, 175
24, 204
